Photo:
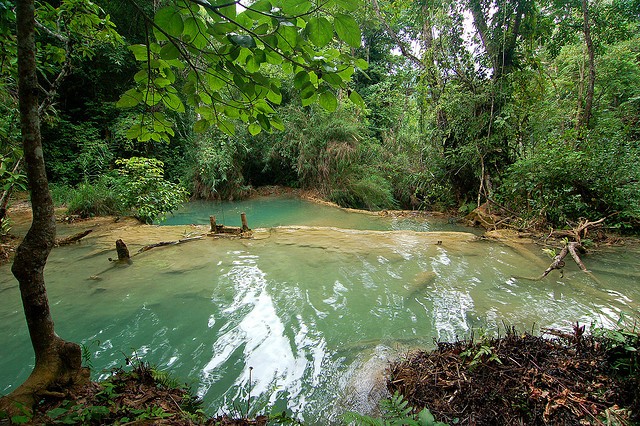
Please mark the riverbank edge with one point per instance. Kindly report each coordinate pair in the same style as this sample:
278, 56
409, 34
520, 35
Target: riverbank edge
558, 377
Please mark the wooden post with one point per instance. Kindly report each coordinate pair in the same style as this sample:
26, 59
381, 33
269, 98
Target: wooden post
212, 219
243, 217
123, 251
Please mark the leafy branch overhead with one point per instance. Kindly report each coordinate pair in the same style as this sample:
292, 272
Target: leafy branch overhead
217, 57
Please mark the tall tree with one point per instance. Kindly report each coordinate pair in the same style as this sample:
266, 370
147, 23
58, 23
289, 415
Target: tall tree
58, 362
583, 121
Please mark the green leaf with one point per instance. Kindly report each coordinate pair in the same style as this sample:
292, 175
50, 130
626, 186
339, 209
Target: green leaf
328, 101
276, 123
214, 81
130, 98
227, 127
221, 28
57, 412
173, 102
169, 51
307, 91
201, 126
300, 79
426, 418
349, 5
287, 37
346, 73
228, 11
275, 95
356, 99
169, 19
134, 131
242, 40
347, 29
139, 51
333, 79
319, 31
264, 122
264, 107
194, 30
362, 64
254, 129
19, 420
308, 101
296, 7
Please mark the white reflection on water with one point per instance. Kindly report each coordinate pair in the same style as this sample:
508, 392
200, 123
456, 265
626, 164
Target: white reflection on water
277, 362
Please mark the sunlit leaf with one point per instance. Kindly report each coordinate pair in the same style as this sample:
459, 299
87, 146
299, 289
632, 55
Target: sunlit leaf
328, 101
356, 98
130, 98
139, 51
287, 38
296, 7
319, 31
254, 129
173, 102
227, 127
170, 20
347, 29
274, 95
362, 64
350, 5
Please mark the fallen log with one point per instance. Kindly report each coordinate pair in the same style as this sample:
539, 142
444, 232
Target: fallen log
167, 243
73, 238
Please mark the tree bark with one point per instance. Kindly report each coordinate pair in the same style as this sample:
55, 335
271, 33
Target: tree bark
57, 362
591, 81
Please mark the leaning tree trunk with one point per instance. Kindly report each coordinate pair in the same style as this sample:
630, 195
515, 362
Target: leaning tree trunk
57, 362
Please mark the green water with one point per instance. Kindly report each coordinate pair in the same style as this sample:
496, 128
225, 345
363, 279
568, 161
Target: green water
316, 312
267, 212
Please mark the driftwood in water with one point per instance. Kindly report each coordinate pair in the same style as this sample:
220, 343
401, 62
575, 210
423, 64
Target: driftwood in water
123, 251
232, 230
73, 238
168, 243
580, 231
558, 261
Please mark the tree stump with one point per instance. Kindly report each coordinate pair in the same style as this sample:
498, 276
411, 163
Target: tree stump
123, 251
245, 226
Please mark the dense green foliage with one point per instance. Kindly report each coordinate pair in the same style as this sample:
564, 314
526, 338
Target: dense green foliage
464, 101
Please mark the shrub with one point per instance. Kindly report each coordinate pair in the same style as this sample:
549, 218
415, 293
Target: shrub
94, 199
145, 192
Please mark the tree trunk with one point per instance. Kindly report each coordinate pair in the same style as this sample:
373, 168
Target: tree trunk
57, 362
588, 102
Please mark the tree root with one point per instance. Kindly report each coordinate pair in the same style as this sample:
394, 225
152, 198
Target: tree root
60, 368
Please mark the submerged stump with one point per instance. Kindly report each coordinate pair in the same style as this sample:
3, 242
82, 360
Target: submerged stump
123, 251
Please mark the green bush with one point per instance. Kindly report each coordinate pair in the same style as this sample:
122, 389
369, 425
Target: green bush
364, 191
144, 191
95, 199
563, 183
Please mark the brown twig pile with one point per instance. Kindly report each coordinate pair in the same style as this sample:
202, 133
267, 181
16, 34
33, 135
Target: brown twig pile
518, 379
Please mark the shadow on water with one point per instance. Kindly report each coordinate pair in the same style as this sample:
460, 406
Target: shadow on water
316, 312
